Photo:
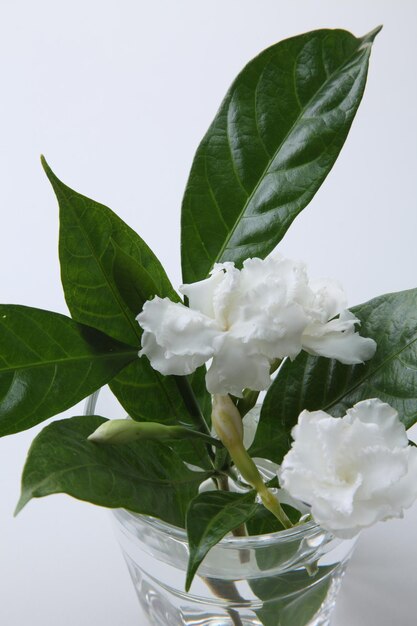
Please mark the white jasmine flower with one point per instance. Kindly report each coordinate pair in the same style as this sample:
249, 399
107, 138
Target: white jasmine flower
353, 471
243, 320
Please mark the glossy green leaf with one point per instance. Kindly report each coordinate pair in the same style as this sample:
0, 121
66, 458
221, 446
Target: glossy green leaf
317, 383
48, 363
210, 516
134, 282
146, 395
108, 272
100, 255
193, 452
293, 598
149, 479
275, 138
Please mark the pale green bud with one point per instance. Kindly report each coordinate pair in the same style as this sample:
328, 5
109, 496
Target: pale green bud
127, 430
227, 421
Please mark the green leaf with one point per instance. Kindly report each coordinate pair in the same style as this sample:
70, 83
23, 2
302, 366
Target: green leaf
100, 255
210, 516
275, 138
314, 383
146, 395
134, 283
48, 363
108, 272
264, 522
293, 598
198, 385
149, 479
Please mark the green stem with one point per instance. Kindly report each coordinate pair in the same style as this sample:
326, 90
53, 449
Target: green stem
271, 503
251, 473
182, 432
222, 459
223, 483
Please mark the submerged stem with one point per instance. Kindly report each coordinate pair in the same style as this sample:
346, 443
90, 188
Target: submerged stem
225, 590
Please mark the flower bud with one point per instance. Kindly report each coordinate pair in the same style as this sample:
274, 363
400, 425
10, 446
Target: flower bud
227, 421
126, 431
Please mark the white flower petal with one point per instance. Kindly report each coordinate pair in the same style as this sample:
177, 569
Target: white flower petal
403, 494
166, 363
176, 339
225, 294
275, 280
380, 469
200, 294
233, 370
309, 428
329, 298
337, 339
374, 411
273, 331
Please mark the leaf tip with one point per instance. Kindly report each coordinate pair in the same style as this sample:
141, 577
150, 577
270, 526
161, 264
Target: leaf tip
189, 577
23, 500
52, 178
368, 39
44, 164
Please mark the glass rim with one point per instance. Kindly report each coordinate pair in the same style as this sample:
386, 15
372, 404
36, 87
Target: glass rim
178, 533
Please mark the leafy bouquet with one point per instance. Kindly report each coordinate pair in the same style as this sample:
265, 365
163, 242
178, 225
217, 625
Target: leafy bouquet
340, 384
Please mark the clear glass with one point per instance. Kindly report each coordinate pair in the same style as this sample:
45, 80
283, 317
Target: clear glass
288, 578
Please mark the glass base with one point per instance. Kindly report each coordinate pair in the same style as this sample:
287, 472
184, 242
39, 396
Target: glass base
284, 579
163, 608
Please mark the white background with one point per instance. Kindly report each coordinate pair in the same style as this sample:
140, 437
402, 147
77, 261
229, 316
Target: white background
117, 96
